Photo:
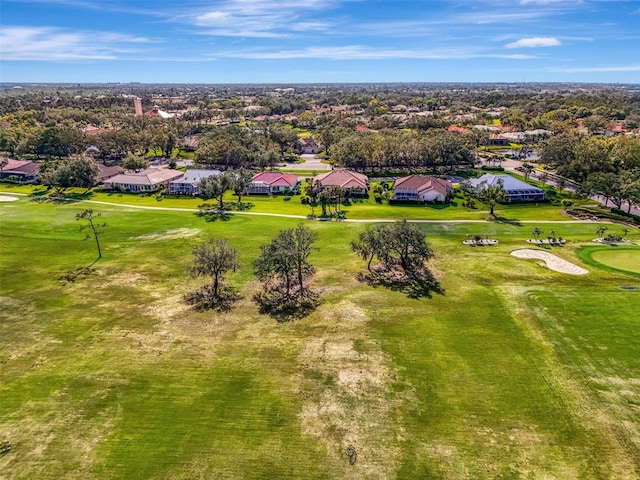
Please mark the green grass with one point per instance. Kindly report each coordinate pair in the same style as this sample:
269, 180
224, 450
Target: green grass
517, 372
364, 208
614, 258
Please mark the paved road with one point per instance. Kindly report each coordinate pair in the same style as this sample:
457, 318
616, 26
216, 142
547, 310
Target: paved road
511, 165
311, 162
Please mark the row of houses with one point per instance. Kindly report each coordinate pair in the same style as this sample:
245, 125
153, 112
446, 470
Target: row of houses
412, 188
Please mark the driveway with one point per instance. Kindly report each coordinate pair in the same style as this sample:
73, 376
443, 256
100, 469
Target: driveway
311, 162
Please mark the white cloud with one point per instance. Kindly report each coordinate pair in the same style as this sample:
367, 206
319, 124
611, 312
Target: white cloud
262, 18
360, 52
620, 68
534, 42
53, 44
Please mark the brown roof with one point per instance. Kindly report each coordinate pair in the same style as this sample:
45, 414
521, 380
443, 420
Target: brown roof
424, 183
151, 176
342, 178
104, 172
18, 167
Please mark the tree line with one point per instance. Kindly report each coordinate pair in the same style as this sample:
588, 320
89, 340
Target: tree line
608, 167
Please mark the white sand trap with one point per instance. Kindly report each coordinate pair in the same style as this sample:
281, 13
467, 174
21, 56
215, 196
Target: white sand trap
6, 198
552, 261
170, 234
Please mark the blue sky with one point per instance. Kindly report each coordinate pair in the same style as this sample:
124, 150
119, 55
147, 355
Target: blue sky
255, 41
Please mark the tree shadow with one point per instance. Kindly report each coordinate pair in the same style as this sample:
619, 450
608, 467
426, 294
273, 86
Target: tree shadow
205, 299
211, 213
79, 272
283, 307
510, 221
418, 284
59, 197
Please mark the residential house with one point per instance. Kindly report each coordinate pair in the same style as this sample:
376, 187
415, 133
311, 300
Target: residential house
517, 190
105, 173
23, 170
310, 146
189, 183
272, 182
149, 180
355, 183
421, 187
457, 129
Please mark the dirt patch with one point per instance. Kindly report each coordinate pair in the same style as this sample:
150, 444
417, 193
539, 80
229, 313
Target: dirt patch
170, 234
553, 262
7, 198
346, 385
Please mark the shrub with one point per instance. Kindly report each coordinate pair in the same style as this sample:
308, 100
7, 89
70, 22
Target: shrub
286, 198
566, 202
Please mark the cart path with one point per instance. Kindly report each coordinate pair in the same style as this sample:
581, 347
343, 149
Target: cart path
304, 217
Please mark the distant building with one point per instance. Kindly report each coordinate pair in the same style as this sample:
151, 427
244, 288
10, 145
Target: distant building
149, 180
137, 103
311, 146
517, 190
189, 183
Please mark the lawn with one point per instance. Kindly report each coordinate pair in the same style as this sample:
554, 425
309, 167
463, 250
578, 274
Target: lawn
516, 372
364, 208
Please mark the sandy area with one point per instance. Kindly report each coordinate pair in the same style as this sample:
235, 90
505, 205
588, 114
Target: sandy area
6, 198
552, 261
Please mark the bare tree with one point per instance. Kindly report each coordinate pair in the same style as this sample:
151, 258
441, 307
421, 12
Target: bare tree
95, 228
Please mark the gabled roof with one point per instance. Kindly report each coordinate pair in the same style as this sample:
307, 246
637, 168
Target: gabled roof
275, 179
151, 176
19, 167
105, 173
457, 129
195, 175
424, 183
342, 178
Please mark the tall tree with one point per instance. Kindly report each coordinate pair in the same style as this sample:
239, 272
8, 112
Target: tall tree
491, 195
240, 181
286, 258
214, 259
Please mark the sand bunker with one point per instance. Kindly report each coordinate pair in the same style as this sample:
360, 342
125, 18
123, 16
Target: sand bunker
552, 261
6, 198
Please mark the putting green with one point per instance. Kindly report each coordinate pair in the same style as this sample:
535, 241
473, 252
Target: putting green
618, 258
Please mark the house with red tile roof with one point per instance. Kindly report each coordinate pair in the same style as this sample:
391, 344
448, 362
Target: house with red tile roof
272, 182
421, 187
356, 183
457, 129
24, 170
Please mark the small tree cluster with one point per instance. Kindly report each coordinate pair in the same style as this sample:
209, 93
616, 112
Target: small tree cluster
402, 251
283, 267
213, 259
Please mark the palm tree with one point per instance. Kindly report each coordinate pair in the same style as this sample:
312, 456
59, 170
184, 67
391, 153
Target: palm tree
536, 233
601, 230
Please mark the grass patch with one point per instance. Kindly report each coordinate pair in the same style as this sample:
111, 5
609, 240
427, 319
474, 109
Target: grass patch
516, 372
